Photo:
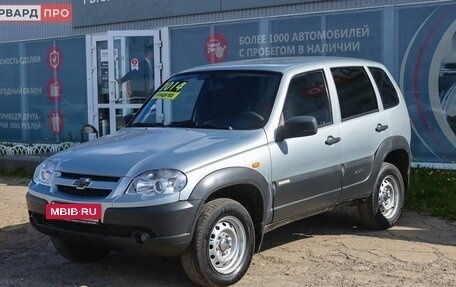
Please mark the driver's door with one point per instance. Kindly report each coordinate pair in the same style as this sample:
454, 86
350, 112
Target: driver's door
307, 170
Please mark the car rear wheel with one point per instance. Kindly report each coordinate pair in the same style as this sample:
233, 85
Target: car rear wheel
222, 245
383, 208
78, 252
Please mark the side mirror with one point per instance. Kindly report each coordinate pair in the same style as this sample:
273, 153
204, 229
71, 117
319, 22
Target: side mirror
299, 126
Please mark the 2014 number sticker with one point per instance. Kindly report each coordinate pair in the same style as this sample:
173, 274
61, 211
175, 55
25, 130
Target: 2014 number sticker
170, 90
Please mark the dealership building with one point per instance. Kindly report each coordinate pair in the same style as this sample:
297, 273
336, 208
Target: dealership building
61, 61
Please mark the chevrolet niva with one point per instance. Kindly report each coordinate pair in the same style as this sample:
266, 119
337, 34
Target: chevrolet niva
240, 148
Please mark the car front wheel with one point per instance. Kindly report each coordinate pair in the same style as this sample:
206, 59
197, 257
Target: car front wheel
222, 245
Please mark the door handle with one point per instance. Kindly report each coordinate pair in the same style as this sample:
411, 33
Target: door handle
381, 127
332, 140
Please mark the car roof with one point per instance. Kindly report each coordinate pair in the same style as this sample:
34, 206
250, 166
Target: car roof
282, 64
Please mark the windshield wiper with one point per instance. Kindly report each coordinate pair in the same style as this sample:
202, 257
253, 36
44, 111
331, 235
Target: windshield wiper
182, 124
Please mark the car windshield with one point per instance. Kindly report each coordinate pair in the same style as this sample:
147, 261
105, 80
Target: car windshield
239, 100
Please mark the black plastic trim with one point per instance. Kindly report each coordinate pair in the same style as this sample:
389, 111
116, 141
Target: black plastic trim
389, 145
233, 176
236, 176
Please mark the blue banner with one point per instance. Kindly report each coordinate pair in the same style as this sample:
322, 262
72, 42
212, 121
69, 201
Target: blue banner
352, 35
428, 78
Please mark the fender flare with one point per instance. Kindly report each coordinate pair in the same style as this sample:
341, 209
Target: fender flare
389, 145
230, 176
233, 176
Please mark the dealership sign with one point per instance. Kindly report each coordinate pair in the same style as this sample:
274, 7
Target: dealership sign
34, 13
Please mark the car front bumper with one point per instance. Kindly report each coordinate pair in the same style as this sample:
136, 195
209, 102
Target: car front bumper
163, 230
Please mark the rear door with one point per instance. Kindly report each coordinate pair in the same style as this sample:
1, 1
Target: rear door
397, 114
306, 171
364, 127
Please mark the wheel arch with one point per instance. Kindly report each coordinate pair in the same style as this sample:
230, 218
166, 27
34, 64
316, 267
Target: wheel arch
400, 159
244, 185
394, 150
399, 155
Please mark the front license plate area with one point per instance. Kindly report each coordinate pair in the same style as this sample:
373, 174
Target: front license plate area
88, 213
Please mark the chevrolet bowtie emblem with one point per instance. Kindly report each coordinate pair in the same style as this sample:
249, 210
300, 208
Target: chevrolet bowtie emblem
82, 183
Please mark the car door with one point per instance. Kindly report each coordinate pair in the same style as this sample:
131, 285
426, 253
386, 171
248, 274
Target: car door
363, 128
306, 171
397, 114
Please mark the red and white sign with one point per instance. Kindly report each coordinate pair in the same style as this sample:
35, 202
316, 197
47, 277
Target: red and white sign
73, 211
37, 13
56, 13
134, 64
55, 122
54, 90
216, 48
54, 58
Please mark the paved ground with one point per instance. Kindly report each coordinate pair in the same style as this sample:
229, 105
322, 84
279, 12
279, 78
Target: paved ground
325, 250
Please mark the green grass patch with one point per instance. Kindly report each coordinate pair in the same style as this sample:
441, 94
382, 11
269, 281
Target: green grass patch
433, 191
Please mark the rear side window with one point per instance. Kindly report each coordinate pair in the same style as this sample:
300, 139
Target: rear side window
355, 92
386, 88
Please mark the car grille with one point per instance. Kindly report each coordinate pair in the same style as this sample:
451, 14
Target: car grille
83, 185
84, 192
93, 177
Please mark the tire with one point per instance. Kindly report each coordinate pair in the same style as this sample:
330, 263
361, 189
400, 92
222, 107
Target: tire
222, 246
78, 252
383, 208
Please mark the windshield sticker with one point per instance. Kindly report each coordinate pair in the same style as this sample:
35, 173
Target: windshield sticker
170, 90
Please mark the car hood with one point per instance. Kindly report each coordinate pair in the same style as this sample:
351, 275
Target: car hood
134, 150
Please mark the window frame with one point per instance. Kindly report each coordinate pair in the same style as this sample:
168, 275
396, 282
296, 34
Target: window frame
396, 96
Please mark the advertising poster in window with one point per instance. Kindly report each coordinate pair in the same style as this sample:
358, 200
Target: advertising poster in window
43, 91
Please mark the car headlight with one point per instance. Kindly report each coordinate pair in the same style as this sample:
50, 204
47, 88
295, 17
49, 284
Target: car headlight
158, 181
43, 173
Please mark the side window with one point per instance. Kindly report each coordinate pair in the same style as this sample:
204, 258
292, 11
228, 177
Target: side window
308, 96
355, 92
386, 88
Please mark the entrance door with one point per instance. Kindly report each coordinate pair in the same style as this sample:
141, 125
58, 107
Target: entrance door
128, 70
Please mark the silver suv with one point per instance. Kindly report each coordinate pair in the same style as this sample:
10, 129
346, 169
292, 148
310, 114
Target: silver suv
240, 149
